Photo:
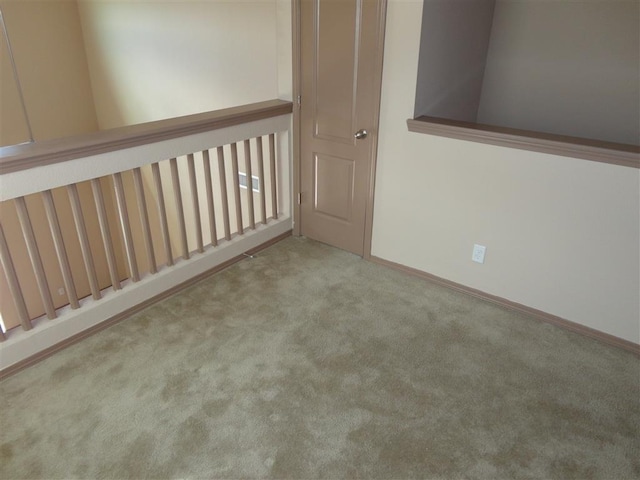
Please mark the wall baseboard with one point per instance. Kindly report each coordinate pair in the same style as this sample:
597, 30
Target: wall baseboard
47, 352
532, 312
503, 302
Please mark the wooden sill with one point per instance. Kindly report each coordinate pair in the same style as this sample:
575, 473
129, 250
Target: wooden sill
30, 155
594, 150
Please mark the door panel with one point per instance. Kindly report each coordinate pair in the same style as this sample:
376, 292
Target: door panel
334, 71
333, 182
340, 63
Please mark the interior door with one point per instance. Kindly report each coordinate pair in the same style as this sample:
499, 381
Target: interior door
340, 77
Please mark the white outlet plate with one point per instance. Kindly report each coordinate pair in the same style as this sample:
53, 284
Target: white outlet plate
478, 253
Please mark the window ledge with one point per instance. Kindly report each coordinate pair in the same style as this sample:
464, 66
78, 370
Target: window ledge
594, 150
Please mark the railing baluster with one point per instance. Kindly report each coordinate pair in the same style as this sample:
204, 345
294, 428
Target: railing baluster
263, 198
236, 186
34, 255
224, 194
206, 162
144, 219
272, 158
162, 212
105, 231
194, 199
175, 180
85, 248
61, 251
126, 227
247, 161
12, 281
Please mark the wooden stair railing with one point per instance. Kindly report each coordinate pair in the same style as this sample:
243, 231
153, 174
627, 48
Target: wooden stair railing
99, 213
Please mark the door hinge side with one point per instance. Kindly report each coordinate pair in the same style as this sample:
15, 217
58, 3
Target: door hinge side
299, 101
299, 198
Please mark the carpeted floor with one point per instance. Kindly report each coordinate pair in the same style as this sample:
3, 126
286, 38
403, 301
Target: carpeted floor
308, 362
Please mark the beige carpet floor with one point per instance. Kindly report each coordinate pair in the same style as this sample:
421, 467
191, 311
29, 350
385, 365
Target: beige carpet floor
308, 362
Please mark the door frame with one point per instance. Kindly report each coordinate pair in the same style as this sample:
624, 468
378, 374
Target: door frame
297, 88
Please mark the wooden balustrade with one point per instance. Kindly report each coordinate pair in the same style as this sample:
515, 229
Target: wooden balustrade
165, 209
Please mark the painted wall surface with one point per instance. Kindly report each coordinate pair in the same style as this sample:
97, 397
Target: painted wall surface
453, 52
284, 46
149, 62
46, 38
13, 122
562, 234
571, 68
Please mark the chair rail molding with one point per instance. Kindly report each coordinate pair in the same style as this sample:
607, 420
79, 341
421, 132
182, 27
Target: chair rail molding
594, 150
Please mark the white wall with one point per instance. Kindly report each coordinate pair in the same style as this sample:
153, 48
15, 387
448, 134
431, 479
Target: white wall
565, 67
562, 234
150, 61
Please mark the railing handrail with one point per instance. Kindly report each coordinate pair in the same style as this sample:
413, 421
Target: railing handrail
26, 156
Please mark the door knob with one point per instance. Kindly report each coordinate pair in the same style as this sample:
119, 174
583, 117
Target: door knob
360, 134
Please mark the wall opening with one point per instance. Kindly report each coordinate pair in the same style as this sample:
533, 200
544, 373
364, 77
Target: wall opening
567, 68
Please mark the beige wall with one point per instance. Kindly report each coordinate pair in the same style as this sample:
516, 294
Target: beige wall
562, 234
150, 62
46, 38
570, 68
13, 123
453, 52
284, 44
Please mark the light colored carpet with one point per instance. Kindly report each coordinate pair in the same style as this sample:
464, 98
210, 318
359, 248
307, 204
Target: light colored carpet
308, 362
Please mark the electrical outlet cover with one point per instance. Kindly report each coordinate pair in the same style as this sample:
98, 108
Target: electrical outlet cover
478, 253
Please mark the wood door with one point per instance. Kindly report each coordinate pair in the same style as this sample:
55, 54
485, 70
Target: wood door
340, 77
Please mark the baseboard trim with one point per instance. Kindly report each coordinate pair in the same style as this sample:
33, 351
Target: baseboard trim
518, 307
43, 354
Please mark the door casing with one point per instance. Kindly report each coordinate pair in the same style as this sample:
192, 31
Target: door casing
297, 131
